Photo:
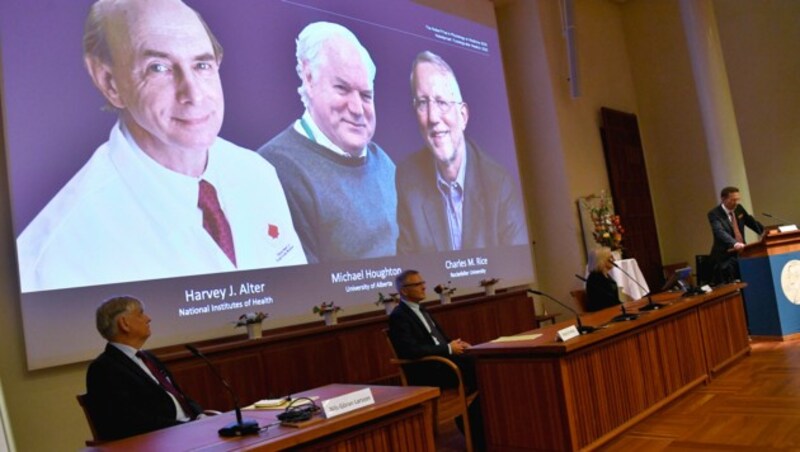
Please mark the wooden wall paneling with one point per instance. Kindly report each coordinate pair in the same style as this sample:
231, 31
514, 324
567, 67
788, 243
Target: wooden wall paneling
300, 363
474, 323
367, 354
607, 381
530, 396
516, 317
724, 341
354, 351
242, 369
478, 321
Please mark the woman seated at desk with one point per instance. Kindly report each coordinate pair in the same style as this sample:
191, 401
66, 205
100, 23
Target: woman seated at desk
601, 289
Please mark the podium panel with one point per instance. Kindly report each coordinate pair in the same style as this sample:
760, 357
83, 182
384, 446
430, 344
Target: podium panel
771, 269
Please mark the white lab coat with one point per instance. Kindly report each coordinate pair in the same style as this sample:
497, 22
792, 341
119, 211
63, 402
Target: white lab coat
124, 217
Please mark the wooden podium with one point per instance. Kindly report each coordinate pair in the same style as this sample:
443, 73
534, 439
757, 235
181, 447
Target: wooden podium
771, 269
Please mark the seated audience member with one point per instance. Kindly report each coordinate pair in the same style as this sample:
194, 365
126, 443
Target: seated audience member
414, 334
601, 289
129, 391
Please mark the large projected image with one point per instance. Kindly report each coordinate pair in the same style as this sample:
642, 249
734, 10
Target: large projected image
266, 156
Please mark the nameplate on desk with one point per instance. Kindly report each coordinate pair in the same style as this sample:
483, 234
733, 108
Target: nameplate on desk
347, 402
787, 228
568, 333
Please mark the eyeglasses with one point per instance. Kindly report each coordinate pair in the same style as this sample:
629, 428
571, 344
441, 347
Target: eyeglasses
443, 106
414, 284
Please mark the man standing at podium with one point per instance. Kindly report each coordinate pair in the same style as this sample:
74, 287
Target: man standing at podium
727, 224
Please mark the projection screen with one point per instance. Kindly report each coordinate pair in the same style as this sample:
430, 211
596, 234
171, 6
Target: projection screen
55, 123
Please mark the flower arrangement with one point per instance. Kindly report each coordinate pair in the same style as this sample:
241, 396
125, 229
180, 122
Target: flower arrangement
383, 299
489, 282
444, 289
325, 308
251, 318
608, 229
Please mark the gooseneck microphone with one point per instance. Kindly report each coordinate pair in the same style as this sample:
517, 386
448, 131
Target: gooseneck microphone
581, 328
775, 217
242, 426
650, 306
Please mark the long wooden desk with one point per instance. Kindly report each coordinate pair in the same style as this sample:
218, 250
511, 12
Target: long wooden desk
400, 419
546, 395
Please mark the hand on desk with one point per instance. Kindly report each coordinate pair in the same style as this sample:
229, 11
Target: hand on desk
458, 346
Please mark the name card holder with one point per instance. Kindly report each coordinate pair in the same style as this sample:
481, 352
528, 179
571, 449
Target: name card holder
567, 333
347, 402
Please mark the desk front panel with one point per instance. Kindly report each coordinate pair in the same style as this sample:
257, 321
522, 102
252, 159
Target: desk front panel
546, 395
400, 420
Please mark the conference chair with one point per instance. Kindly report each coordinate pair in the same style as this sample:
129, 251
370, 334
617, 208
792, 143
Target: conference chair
704, 268
452, 402
669, 269
579, 297
95, 441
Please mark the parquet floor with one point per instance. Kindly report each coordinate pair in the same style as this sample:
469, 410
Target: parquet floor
752, 406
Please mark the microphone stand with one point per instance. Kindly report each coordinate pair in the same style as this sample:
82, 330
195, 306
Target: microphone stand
242, 426
650, 306
581, 328
625, 316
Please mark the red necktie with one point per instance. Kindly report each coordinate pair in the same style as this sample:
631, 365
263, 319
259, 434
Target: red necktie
737, 234
214, 220
166, 384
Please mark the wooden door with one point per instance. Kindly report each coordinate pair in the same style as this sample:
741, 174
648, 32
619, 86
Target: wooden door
630, 190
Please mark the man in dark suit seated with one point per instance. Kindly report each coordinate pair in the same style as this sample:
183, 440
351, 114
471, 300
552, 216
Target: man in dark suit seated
415, 334
727, 225
129, 391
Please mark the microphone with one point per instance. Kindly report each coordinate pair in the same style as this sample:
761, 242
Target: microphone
775, 217
580, 277
241, 426
581, 328
650, 306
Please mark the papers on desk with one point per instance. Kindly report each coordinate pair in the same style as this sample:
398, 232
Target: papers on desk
279, 404
519, 337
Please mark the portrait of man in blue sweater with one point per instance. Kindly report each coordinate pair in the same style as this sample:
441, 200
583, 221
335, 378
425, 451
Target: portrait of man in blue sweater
339, 184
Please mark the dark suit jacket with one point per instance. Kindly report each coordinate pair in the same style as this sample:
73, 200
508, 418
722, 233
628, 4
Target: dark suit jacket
411, 340
724, 262
601, 292
409, 336
124, 401
492, 213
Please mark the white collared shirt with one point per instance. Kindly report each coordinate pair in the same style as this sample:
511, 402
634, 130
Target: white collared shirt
124, 217
320, 138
